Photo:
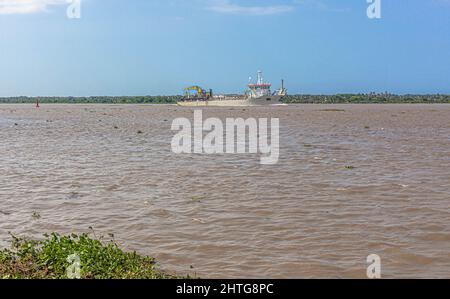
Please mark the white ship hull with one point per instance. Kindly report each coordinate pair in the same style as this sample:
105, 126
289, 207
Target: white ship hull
235, 102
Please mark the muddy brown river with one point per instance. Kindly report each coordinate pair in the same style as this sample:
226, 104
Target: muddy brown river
352, 180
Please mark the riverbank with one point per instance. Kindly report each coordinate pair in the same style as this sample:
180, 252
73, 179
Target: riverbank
58, 257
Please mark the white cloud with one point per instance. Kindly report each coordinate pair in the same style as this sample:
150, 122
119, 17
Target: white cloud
320, 5
228, 7
27, 6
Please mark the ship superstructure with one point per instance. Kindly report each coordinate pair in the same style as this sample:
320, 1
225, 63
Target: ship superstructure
261, 90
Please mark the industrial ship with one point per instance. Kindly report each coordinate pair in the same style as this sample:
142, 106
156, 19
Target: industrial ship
257, 94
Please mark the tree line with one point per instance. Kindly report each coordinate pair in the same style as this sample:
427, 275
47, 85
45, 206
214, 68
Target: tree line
372, 98
94, 100
367, 99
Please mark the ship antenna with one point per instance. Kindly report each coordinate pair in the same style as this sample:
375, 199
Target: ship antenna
260, 78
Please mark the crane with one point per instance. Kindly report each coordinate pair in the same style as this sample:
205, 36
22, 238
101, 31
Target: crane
196, 93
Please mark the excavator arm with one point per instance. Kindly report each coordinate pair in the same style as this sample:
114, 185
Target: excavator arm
197, 89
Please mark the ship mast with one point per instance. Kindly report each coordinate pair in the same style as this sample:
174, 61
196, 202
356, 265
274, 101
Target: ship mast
260, 80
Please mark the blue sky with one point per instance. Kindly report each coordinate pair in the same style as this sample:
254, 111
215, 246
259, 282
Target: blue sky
140, 47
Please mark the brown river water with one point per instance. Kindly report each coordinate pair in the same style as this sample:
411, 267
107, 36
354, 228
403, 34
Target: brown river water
352, 180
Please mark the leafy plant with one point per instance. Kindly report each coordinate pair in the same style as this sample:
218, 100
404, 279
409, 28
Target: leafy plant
47, 259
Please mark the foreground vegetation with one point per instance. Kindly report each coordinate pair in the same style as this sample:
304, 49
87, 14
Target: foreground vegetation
48, 259
372, 98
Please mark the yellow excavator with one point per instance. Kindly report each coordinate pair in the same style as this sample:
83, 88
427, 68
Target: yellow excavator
196, 93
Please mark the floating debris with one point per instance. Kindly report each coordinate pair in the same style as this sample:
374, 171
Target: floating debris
74, 195
196, 199
36, 216
198, 220
332, 110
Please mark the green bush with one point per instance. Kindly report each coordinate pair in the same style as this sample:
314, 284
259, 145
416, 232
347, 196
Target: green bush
47, 259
